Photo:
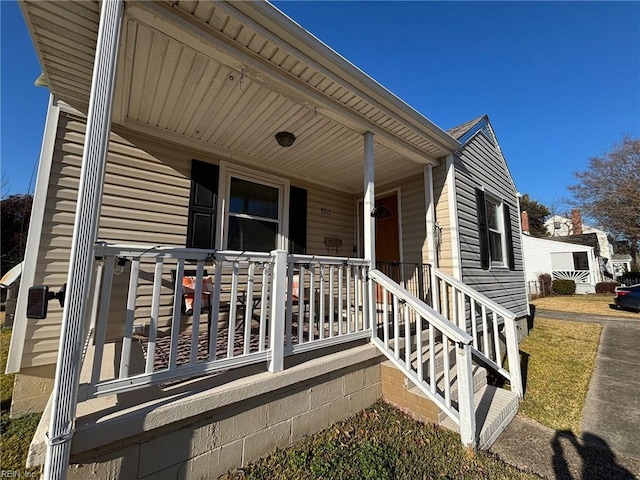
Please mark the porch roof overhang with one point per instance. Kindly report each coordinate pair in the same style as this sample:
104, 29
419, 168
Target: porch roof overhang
224, 77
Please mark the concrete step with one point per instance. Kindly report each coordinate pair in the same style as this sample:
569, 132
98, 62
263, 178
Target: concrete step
495, 408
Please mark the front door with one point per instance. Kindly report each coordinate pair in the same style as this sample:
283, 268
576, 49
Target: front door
387, 236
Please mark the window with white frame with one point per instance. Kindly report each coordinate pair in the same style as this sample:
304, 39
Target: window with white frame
495, 218
254, 210
495, 236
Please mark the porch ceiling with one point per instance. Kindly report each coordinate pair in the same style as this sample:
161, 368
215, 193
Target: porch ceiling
225, 77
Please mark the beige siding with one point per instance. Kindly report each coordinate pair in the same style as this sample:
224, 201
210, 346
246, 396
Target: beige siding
145, 201
330, 213
440, 195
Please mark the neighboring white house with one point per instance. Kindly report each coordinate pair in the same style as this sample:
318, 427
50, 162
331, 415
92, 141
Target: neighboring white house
561, 261
559, 226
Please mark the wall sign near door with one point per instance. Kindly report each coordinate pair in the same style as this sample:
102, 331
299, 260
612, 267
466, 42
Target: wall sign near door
325, 211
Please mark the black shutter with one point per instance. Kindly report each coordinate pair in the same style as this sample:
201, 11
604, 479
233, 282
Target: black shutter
201, 229
483, 231
297, 220
508, 236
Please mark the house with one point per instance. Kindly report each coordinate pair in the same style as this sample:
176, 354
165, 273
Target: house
330, 239
560, 260
573, 230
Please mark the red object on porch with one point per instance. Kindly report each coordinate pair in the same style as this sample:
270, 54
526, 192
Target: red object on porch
189, 286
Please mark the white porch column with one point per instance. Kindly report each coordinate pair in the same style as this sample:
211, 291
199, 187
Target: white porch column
369, 227
369, 201
65, 391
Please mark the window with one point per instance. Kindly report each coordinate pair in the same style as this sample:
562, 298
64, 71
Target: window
253, 216
494, 222
254, 209
494, 231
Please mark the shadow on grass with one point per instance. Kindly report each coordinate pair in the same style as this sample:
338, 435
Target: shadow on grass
598, 460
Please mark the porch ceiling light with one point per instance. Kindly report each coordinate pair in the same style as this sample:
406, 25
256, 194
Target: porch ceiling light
285, 139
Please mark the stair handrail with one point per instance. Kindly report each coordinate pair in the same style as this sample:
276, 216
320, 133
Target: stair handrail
439, 321
514, 375
465, 416
496, 307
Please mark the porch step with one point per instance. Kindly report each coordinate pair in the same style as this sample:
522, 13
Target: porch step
402, 392
495, 408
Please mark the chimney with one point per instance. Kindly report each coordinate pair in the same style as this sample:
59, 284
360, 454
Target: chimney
524, 216
576, 221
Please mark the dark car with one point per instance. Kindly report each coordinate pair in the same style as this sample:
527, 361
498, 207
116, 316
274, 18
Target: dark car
628, 298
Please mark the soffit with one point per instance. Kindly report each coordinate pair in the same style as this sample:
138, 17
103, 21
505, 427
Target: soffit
223, 87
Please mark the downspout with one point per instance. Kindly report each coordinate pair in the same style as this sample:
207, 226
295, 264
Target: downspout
65, 390
524, 268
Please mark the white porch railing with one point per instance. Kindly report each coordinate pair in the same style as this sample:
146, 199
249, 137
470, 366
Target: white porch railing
420, 342
489, 324
578, 276
233, 323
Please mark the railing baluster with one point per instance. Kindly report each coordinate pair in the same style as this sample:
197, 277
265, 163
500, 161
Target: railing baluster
155, 311
456, 308
419, 347
233, 309
215, 314
248, 314
357, 290
103, 318
125, 357
348, 267
331, 299
197, 309
407, 335
432, 358
289, 314
496, 339
396, 328
447, 371
301, 305
263, 308
474, 322
312, 301
385, 315
177, 312
340, 299
485, 332
321, 304
445, 298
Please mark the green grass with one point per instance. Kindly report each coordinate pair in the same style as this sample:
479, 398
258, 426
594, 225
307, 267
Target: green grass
15, 434
593, 303
559, 358
6, 381
379, 443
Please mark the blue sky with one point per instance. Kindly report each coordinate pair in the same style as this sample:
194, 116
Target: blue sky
560, 81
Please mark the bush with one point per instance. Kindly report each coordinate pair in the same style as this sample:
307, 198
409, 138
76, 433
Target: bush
564, 287
606, 287
544, 280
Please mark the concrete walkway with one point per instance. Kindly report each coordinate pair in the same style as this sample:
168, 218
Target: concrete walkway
609, 446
